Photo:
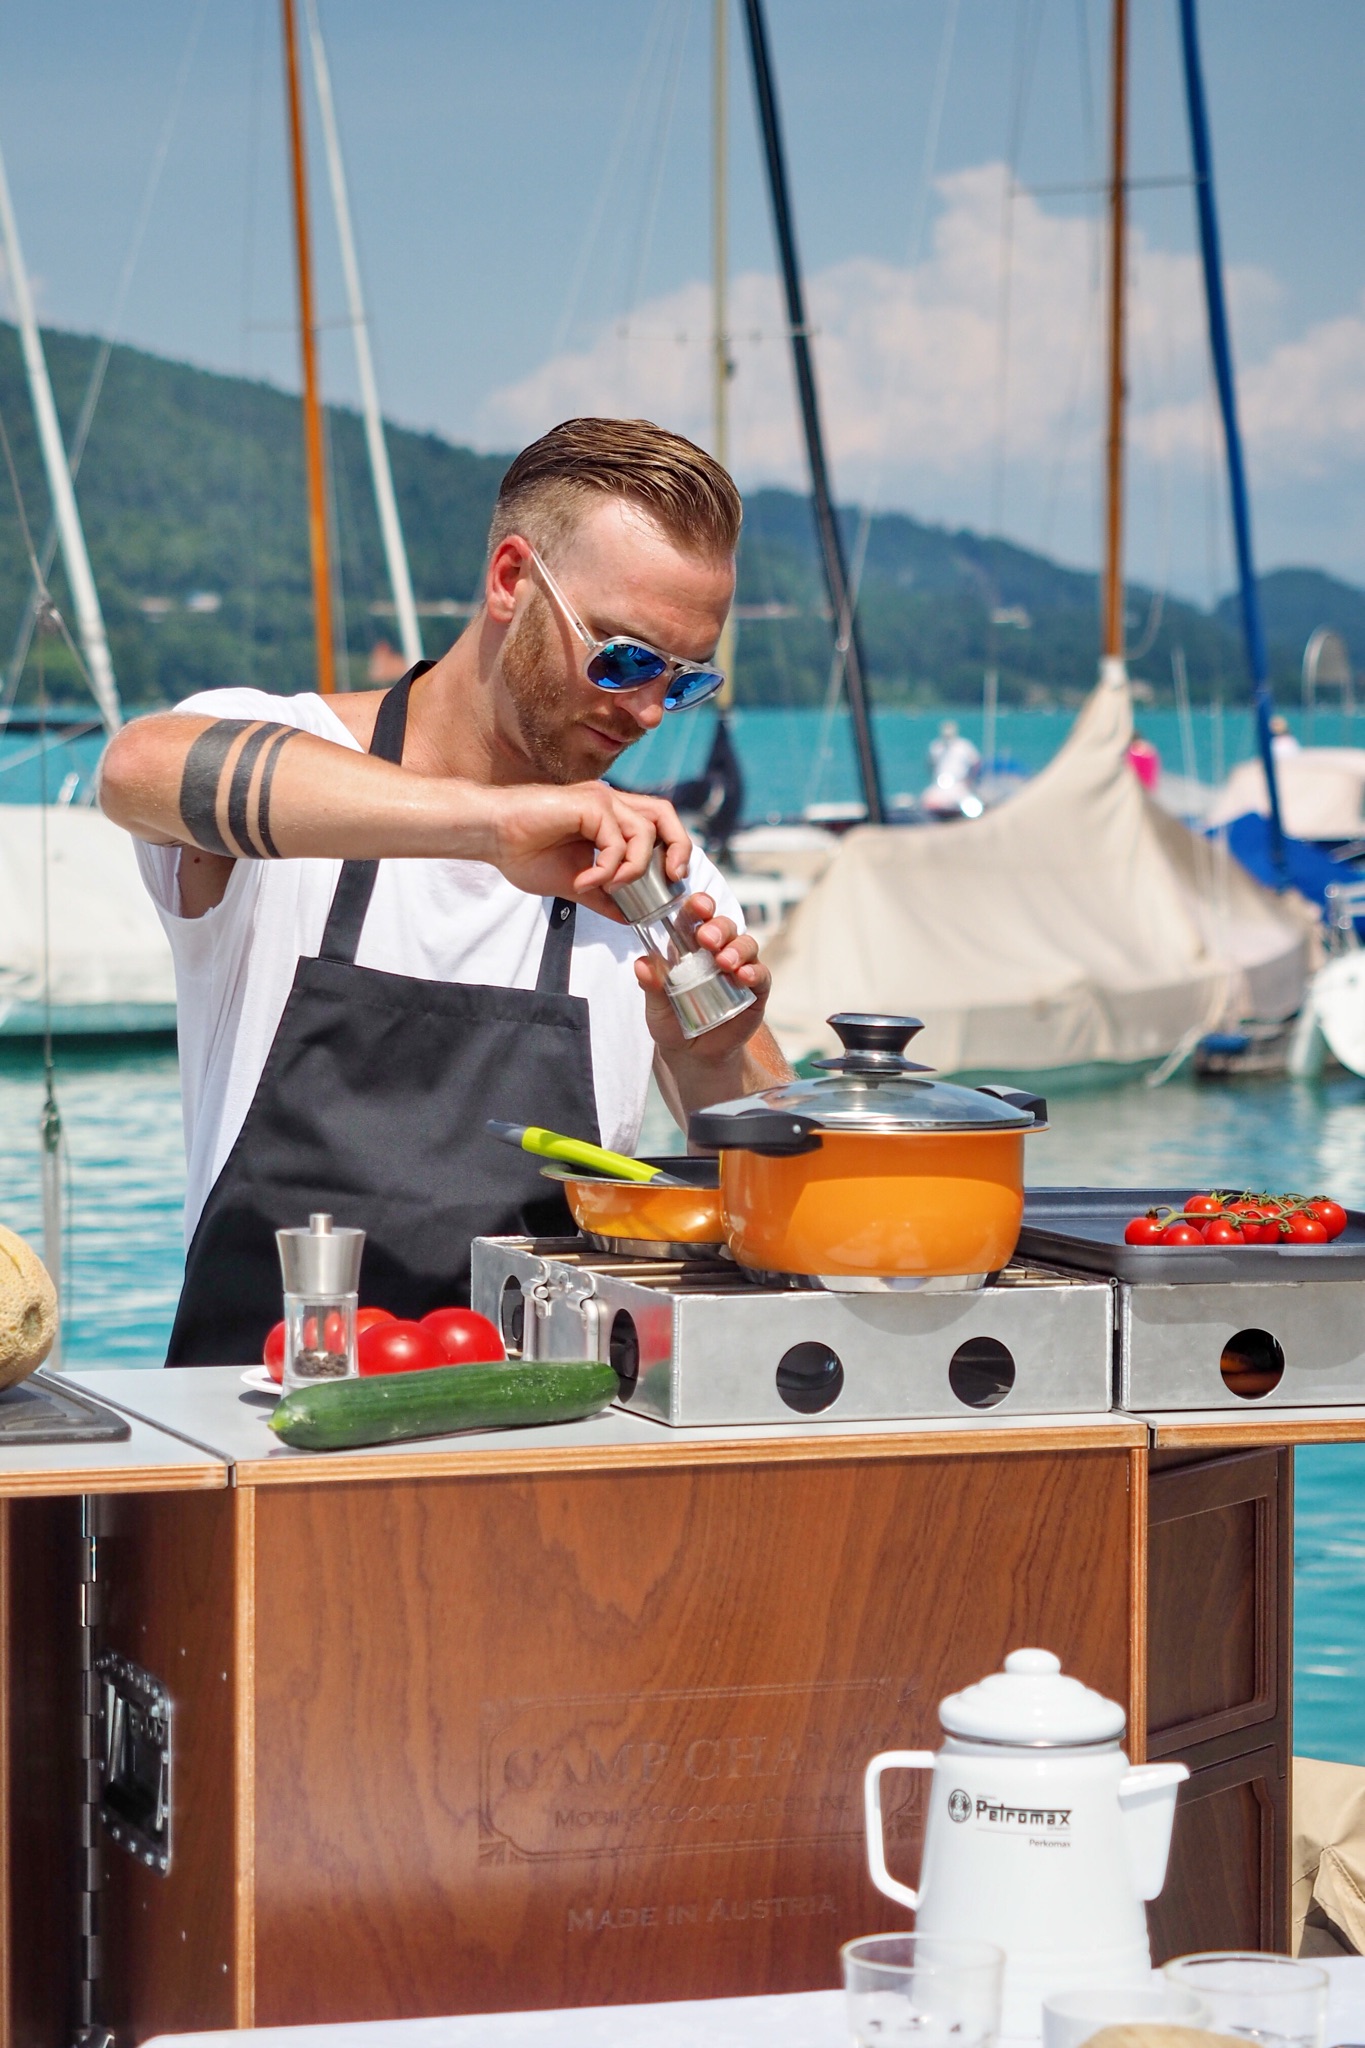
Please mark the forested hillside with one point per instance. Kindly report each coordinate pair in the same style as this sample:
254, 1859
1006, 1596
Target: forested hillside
193, 500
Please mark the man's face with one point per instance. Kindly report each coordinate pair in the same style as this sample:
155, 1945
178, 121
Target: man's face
621, 574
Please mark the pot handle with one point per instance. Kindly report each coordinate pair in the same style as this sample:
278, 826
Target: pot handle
776, 1133
889, 1760
1019, 1098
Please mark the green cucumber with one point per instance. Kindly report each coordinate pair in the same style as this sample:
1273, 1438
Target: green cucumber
387, 1408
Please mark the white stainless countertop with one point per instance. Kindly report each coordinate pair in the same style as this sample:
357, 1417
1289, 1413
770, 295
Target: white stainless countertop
209, 1407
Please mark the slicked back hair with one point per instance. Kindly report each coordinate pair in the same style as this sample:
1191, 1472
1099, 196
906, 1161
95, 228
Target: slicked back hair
552, 483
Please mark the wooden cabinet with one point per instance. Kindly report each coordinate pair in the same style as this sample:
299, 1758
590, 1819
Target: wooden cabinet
1219, 1692
570, 1737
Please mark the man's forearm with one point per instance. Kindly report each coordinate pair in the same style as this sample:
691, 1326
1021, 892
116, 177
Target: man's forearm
688, 1080
255, 790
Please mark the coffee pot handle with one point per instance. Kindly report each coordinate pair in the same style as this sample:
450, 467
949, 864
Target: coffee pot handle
889, 1760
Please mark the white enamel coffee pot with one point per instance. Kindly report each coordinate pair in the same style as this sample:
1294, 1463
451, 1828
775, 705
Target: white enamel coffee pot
1040, 1835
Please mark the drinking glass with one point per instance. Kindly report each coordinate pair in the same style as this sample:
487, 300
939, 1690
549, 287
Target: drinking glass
1275, 2000
922, 1991
1070, 2018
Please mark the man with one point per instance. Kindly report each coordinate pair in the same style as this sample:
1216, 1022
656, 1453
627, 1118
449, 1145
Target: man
388, 910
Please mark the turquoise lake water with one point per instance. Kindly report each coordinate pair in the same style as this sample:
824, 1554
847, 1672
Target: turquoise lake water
121, 1111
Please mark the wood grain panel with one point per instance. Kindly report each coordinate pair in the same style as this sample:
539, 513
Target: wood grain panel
166, 1564
1218, 1598
565, 1740
40, 1562
1227, 1886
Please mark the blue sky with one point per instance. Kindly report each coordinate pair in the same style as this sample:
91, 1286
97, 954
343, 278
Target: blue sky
483, 142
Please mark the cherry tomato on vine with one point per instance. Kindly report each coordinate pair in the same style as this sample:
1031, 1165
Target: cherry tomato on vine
1204, 1205
1302, 1228
1144, 1229
1182, 1233
1221, 1230
1330, 1214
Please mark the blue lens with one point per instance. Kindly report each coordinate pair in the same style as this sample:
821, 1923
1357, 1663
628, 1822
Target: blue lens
624, 665
693, 688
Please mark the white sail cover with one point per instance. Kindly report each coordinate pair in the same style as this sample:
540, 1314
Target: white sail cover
110, 964
1075, 923
1321, 790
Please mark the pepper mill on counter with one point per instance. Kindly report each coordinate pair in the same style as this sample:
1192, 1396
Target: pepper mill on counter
702, 997
321, 1269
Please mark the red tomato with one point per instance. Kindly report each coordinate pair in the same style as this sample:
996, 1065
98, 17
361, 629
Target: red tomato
273, 1354
1204, 1205
1305, 1229
1330, 1214
1144, 1229
1259, 1224
1221, 1230
1182, 1233
464, 1336
397, 1347
366, 1318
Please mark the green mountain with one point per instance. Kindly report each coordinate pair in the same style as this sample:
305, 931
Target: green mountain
192, 493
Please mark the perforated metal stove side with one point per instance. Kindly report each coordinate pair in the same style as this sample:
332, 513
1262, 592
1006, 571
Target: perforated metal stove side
702, 1343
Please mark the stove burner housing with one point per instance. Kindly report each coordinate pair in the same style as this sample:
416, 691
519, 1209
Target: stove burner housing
702, 1342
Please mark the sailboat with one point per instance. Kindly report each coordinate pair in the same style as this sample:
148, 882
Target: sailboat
1075, 926
82, 951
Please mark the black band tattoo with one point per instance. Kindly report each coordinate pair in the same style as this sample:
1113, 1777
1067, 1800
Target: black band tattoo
272, 755
201, 785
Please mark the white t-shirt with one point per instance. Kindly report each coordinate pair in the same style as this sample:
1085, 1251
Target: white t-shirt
438, 920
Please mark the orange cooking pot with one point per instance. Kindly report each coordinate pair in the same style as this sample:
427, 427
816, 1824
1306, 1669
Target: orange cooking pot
873, 1172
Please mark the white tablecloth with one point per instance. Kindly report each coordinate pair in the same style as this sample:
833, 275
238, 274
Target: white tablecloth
798, 2019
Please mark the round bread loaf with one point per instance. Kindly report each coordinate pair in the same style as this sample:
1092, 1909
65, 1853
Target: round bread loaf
28, 1309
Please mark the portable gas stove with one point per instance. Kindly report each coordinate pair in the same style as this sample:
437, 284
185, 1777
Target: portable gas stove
703, 1342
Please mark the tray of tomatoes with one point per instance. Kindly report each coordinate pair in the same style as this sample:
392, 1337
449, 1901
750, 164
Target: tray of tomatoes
1208, 1234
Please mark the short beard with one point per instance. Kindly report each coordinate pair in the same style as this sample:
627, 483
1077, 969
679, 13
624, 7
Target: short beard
531, 668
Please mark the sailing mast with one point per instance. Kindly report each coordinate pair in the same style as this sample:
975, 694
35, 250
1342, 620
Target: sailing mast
312, 408
827, 524
722, 368
386, 504
1220, 346
89, 618
1113, 668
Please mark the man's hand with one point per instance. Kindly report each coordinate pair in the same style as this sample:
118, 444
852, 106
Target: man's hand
737, 1057
576, 841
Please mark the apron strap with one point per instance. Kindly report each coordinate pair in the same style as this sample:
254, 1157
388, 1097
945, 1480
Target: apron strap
355, 885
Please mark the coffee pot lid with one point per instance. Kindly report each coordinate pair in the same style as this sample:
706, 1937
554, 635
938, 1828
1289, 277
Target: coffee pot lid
1031, 1704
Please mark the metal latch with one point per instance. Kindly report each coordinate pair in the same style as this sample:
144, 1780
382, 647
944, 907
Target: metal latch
564, 1316
135, 1780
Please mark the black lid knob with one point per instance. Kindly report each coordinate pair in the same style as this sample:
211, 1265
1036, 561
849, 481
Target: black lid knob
873, 1045
858, 1032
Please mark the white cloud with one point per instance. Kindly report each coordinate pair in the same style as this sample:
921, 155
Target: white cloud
909, 364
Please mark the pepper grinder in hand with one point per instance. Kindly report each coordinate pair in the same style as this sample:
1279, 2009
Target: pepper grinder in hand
702, 997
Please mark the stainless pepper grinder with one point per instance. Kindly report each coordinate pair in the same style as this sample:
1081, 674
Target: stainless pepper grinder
702, 997
321, 1269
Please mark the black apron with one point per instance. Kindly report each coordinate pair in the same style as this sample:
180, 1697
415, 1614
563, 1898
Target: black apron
372, 1105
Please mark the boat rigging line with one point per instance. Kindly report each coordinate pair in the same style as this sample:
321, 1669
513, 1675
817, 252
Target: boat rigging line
93, 390
386, 503
827, 524
49, 619
97, 666
1220, 347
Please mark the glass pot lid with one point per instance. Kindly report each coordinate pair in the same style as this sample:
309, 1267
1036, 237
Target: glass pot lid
870, 1087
